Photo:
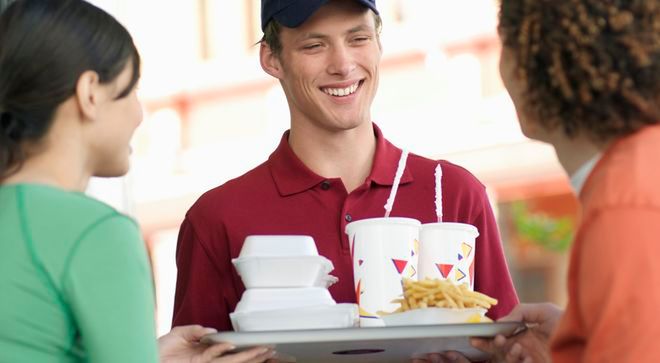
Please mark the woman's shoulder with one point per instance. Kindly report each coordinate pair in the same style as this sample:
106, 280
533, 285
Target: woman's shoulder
61, 216
74, 205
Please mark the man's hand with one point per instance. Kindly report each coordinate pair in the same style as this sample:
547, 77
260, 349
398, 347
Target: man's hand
531, 346
181, 345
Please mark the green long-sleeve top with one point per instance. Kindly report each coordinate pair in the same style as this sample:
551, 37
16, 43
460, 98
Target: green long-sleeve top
75, 283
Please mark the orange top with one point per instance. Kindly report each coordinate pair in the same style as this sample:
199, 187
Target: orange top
614, 275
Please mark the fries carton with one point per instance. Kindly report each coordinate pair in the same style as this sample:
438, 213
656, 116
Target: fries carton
438, 301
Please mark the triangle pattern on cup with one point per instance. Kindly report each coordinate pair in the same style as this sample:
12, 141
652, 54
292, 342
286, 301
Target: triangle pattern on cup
400, 265
358, 291
363, 313
410, 271
353, 246
460, 275
444, 269
366, 314
467, 249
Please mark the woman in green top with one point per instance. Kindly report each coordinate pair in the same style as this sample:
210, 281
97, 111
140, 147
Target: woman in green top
75, 283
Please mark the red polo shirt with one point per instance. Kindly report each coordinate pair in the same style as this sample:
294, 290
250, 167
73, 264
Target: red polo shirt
282, 196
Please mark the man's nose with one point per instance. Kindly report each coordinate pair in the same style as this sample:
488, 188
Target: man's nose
341, 61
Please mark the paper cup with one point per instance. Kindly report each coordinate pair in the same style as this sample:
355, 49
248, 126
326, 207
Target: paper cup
384, 251
447, 252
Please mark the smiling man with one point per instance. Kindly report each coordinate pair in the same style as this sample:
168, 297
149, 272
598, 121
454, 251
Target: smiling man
332, 167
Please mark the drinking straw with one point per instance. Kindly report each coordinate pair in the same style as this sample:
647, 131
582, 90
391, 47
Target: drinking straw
397, 180
438, 192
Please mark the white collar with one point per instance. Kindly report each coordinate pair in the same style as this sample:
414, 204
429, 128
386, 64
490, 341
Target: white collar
580, 176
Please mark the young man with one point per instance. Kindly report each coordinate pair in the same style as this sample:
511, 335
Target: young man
332, 167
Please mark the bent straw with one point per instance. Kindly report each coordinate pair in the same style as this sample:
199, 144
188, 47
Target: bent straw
438, 192
397, 180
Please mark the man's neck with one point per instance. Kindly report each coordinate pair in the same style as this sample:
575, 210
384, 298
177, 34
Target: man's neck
345, 154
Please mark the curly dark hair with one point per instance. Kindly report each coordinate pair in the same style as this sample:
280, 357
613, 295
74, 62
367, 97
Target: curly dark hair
589, 66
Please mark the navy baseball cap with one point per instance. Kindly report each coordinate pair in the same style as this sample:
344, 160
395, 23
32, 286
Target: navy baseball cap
292, 13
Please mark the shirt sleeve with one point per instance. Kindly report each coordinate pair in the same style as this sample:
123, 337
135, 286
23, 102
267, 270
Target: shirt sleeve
492, 275
199, 298
109, 288
618, 295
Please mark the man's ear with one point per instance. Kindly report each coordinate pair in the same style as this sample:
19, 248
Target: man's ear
270, 62
88, 94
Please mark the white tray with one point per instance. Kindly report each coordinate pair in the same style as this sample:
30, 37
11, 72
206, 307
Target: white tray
386, 344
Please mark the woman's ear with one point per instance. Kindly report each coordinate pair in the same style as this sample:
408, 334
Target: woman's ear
270, 62
88, 94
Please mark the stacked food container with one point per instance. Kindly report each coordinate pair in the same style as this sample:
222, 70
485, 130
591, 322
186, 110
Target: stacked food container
286, 285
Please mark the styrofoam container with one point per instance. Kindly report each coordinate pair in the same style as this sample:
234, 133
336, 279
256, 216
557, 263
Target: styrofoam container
433, 316
315, 317
287, 298
282, 271
328, 280
272, 245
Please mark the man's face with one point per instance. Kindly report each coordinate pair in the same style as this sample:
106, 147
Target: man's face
328, 67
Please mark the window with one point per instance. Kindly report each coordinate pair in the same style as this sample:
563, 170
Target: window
228, 28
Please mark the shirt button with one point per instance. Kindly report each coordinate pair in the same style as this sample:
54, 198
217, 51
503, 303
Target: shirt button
348, 217
325, 185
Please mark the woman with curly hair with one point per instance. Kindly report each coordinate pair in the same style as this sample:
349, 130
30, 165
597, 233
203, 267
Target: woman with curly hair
584, 76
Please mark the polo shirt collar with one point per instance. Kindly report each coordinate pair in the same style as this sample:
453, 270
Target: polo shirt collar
291, 176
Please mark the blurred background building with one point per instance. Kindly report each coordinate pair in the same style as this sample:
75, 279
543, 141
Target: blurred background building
211, 114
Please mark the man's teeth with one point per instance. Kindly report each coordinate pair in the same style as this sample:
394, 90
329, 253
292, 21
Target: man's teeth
342, 91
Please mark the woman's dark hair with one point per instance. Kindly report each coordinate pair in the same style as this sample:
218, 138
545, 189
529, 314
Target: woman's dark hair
589, 66
45, 46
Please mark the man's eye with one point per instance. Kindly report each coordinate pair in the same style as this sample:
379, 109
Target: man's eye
360, 39
312, 46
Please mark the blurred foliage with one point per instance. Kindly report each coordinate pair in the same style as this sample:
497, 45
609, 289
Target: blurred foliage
554, 234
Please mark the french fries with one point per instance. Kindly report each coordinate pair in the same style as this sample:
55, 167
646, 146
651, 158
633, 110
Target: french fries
440, 293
